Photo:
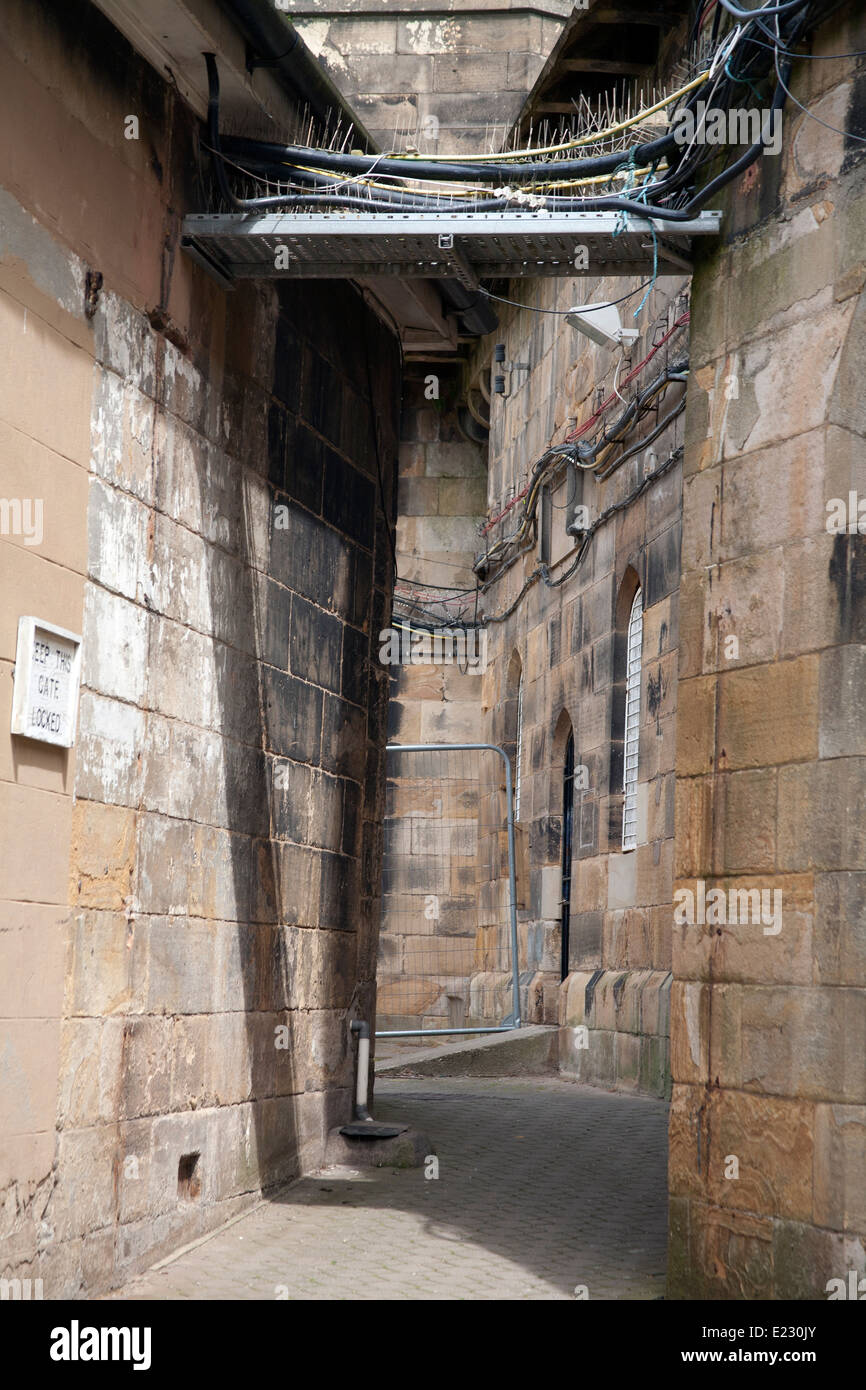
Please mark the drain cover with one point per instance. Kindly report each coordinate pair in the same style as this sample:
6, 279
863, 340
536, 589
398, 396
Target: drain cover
368, 1129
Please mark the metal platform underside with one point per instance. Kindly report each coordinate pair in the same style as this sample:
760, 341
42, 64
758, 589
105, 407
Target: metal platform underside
465, 246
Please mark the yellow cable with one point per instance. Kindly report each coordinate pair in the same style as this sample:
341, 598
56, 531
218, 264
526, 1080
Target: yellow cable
597, 178
569, 144
462, 190
364, 182
592, 139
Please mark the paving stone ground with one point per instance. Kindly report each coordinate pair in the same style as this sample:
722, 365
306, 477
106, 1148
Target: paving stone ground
543, 1186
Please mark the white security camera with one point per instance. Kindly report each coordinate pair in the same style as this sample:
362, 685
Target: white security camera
601, 323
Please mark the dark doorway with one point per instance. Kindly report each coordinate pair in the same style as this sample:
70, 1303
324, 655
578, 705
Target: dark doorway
567, 831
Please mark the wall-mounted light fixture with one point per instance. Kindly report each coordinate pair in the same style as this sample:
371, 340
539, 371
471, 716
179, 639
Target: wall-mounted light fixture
600, 323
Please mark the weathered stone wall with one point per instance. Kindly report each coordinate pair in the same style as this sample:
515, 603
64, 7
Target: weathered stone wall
426, 962
768, 1026
446, 75
196, 883
563, 640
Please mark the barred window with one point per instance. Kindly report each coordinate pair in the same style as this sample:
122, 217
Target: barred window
631, 733
518, 758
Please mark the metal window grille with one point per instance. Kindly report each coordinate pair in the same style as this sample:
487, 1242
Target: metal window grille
518, 755
567, 834
448, 937
631, 733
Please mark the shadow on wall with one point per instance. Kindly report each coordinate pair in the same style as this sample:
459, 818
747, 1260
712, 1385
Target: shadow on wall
303, 711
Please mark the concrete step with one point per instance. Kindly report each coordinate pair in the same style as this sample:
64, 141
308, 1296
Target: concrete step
530, 1051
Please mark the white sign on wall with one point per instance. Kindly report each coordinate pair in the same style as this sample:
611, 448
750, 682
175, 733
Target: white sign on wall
47, 675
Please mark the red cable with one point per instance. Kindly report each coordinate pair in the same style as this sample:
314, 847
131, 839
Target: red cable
609, 400
705, 14
506, 509
596, 416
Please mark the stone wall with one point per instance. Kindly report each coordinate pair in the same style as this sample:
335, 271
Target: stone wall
190, 895
426, 962
561, 638
446, 75
768, 1024
563, 641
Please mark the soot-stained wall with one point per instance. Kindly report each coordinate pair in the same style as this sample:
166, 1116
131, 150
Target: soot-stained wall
190, 894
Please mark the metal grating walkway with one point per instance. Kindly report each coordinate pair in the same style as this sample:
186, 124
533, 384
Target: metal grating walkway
466, 246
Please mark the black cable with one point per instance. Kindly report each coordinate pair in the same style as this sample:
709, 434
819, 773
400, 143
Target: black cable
337, 199
447, 588
810, 57
732, 171
848, 134
369, 202
278, 200
274, 156
544, 572
584, 455
361, 195
561, 312
693, 28
430, 623
650, 153
213, 126
387, 199
569, 501
537, 573
675, 182
587, 453
645, 441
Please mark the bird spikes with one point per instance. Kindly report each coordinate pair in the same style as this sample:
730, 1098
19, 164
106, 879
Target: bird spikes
591, 118
595, 114
697, 60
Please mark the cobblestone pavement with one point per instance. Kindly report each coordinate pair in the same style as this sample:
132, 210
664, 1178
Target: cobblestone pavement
543, 1186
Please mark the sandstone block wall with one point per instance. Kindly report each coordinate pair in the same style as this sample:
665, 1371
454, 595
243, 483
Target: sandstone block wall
446, 75
768, 1028
439, 815
563, 641
190, 896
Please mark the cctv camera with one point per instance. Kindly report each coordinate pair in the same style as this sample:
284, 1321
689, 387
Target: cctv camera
600, 323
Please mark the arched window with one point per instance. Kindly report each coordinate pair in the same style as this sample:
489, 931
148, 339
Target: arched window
631, 729
625, 714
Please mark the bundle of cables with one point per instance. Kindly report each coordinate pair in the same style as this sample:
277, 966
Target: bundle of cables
661, 176
603, 457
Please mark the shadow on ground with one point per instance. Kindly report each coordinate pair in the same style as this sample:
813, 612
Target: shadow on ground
566, 1183
544, 1187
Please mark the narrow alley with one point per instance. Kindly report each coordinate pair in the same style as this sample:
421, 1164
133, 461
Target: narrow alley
432, 655
546, 1190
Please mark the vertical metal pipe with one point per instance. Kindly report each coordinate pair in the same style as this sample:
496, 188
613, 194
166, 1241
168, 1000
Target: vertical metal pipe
363, 1030
512, 890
